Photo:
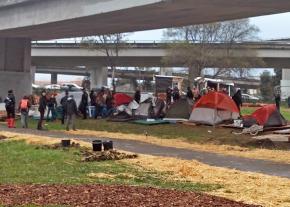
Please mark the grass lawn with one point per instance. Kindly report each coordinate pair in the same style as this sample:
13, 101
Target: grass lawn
25, 164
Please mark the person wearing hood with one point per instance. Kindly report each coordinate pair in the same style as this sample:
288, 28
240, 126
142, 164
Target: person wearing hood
84, 104
71, 112
10, 109
237, 98
63, 106
42, 109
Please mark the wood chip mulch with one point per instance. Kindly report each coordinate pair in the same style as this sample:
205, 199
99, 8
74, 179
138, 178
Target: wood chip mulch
106, 195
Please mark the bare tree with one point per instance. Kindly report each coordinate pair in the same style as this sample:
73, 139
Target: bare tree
108, 44
197, 47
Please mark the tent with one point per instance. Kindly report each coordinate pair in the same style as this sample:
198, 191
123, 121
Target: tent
144, 110
122, 99
267, 116
181, 109
214, 108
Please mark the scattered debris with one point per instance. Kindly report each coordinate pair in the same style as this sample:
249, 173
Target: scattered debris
3, 137
253, 130
90, 156
58, 146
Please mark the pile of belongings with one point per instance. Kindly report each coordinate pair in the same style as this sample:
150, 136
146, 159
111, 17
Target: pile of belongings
128, 109
214, 108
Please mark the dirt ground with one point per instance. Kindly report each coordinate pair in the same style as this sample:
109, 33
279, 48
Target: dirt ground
101, 195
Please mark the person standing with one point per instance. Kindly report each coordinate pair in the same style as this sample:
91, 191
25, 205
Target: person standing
168, 96
84, 104
137, 96
175, 94
237, 98
63, 106
71, 112
277, 96
10, 109
41, 109
288, 101
24, 106
189, 94
51, 105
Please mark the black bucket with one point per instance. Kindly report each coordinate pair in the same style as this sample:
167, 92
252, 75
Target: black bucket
97, 145
108, 145
65, 142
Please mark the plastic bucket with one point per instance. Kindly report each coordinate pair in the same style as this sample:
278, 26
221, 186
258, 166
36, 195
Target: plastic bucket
97, 145
108, 145
65, 142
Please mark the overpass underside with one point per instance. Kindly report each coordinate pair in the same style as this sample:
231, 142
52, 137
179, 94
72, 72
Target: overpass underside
53, 19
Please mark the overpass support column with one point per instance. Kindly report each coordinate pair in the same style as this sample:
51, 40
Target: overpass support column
99, 77
285, 83
53, 78
15, 62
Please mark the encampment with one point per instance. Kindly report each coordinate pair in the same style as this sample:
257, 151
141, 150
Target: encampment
267, 116
214, 108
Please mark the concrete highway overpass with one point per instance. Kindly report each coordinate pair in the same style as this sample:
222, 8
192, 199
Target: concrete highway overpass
43, 19
24, 20
274, 54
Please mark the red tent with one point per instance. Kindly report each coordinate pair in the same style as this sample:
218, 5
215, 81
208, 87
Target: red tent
267, 116
217, 100
122, 99
214, 108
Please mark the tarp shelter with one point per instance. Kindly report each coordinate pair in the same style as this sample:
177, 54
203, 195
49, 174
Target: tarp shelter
214, 108
144, 110
179, 110
267, 116
122, 99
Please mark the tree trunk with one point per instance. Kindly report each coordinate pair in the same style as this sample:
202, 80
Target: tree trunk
193, 72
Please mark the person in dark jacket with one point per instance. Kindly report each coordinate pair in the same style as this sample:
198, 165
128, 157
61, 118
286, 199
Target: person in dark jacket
189, 93
51, 105
10, 109
84, 104
237, 98
41, 109
175, 94
137, 96
63, 106
168, 96
71, 112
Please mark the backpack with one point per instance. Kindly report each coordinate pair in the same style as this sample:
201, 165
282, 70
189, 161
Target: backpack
24, 104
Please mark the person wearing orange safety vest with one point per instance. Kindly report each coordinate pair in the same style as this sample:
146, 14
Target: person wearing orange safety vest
24, 106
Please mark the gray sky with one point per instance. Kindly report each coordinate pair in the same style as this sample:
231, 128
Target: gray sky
271, 27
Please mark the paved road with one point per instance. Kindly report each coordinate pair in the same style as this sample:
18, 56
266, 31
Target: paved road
213, 159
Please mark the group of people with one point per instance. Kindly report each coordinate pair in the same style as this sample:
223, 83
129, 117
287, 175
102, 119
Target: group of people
193, 95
